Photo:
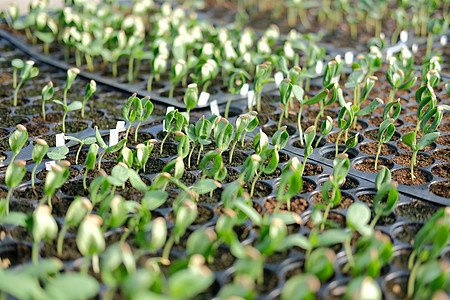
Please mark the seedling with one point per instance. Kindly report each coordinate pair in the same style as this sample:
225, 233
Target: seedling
310, 134
14, 175
71, 75
217, 170
39, 152
205, 73
43, 228
179, 70
58, 153
244, 123
290, 183
341, 167
385, 133
325, 129
91, 157
90, 242
399, 78
17, 140
235, 85
344, 125
47, 94
363, 288
28, 71
262, 76
199, 133
75, 105
191, 97
105, 147
147, 107
55, 179
302, 286
387, 196
285, 94
17, 64
78, 209
87, 141
91, 87
435, 27
159, 65
175, 121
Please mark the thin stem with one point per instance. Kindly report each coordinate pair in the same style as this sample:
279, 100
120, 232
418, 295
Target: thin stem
412, 280
136, 132
299, 124
95, 263
100, 159
227, 107
348, 252
205, 86
320, 114
78, 153
61, 236
378, 154
64, 122
15, 78
114, 69
89, 62
429, 44
8, 196
258, 101
318, 141
392, 94
149, 84
325, 217
85, 176
232, 150
33, 172
254, 183
35, 252
281, 117
199, 152
16, 91
128, 130
168, 246
413, 162
375, 220
162, 142
243, 139
337, 143
190, 154
77, 58
172, 89
49, 200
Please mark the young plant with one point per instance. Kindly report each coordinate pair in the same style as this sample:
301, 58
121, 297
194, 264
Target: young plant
387, 196
39, 152
435, 27
106, 149
14, 175
191, 97
217, 169
290, 183
28, 71
244, 123
325, 129
147, 107
58, 153
179, 70
310, 134
75, 105
302, 286
262, 76
43, 228
87, 141
399, 78
17, 140
235, 85
426, 274
199, 133
344, 125
205, 73
55, 179
47, 94
159, 65
90, 242
385, 133
71, 75
341, 167
285, 94
78, 209
17, 64
175, 121
91, 87
91, 157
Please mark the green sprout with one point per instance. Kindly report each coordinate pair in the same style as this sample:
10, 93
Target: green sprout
47, 94
14, 175
91, 87
290, 183
55, 179
17, 140
191, 97
87, 141
244, 123
90, 242
91, 157
285, 94
71, 75
39, 152
175, 121
43, 228
75, 105
199, 133
28, 71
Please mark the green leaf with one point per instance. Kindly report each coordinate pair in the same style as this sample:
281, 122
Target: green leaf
301, 287
58, 153
427, 139
75, 105
410, 140
189, 282
204, 186
29, 287
14, 218
72, 286
154, 199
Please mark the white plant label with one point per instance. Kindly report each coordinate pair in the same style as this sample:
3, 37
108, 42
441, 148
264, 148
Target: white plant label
60, 141
404, 36
414, 48
214, 108
49, 165
348, 58
113, 137
250, 99
278, 78
244, 89
319, 67
169, 109
203, 99
443, 40
120, 126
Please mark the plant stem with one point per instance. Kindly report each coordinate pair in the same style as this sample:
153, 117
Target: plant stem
85, 265
95, 263
392, 94
90, 65
318, 141
61, 236
35, 252
205, 86
136, 132
325, 217
43, 109
232, 150
162, 142
100, 159
15, 78
299, 123
413, 162
168, 246
281, 117
172, 89
77, 58
78, 153
429, 44
375, 220
33, 172
227, 107
258, 101
149, 83
337, 143
85, 176
254, 183
190, 154
348, 252
412, 280
16, 91
128, 130
243, 139
49, 200
320, 114
378, 154
8, 196
199, 153
64, 122
114, 69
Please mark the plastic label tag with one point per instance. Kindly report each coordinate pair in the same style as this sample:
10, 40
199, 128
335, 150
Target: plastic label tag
120, 126
60, 141
250, 96
169, 109
244, 89
404, 36
113, 137
443, 40
49, 165
214, 108
203, 99
278, 78
348, 58
319, 67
